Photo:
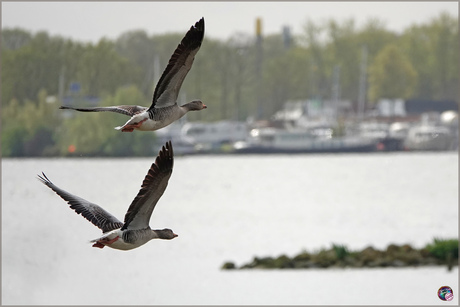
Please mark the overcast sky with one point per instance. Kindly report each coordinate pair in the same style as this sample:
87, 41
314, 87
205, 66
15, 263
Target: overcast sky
90, 21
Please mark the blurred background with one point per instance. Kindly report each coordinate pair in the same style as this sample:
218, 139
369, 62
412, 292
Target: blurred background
338, 77
375, 80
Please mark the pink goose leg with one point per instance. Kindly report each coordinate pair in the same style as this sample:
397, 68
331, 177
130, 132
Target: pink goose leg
102, 243
131, 127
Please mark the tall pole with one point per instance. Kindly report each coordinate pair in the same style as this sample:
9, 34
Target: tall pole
224, 91
362, 83
336, 90
61, 85
260, 110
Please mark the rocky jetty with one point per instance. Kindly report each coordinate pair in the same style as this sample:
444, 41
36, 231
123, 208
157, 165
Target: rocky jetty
440, 252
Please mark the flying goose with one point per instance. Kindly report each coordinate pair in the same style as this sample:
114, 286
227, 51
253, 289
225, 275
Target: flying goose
135, 231
164, 109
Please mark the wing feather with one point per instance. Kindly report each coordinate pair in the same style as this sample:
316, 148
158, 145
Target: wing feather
92, 212
153, 187
123, 109
180, 63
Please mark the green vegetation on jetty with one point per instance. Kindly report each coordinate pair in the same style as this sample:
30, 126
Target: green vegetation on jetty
440, 252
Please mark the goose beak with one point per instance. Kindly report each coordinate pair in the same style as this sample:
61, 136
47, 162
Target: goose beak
204, 106
175, 235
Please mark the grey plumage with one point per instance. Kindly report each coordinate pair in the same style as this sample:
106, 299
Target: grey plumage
92, 212
131, 236
123, 109
152, 189
164, 106
179, 65
139, 212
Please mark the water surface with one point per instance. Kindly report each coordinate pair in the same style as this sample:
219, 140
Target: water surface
229, 208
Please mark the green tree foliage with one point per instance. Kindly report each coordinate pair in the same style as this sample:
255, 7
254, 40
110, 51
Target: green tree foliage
27, 130
319, 68
203, 83
331, 44
103, 69
343, 50
139, 48
93, 134
432, 49
422, 62
285, 79
13, 39
374, 36
33, 66
391, 75
40, 63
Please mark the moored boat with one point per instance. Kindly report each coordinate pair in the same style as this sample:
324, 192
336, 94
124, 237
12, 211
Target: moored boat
273, 140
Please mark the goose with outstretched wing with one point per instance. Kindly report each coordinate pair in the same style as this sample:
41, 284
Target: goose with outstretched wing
164, 109
135, 231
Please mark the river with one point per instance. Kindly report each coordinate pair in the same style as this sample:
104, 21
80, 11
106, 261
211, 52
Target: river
229, 208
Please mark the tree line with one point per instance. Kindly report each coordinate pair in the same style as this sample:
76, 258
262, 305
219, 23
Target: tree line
238, 78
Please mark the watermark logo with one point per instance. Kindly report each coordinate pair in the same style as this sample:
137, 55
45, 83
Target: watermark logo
445, 293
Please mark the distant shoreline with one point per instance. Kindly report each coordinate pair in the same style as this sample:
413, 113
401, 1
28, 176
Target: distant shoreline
439, 252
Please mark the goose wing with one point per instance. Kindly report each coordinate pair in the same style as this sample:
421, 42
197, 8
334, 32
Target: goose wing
124, 109
153, 187
181, 61
92, 212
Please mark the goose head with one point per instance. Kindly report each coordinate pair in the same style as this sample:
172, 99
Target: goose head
195, 105
165, 234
